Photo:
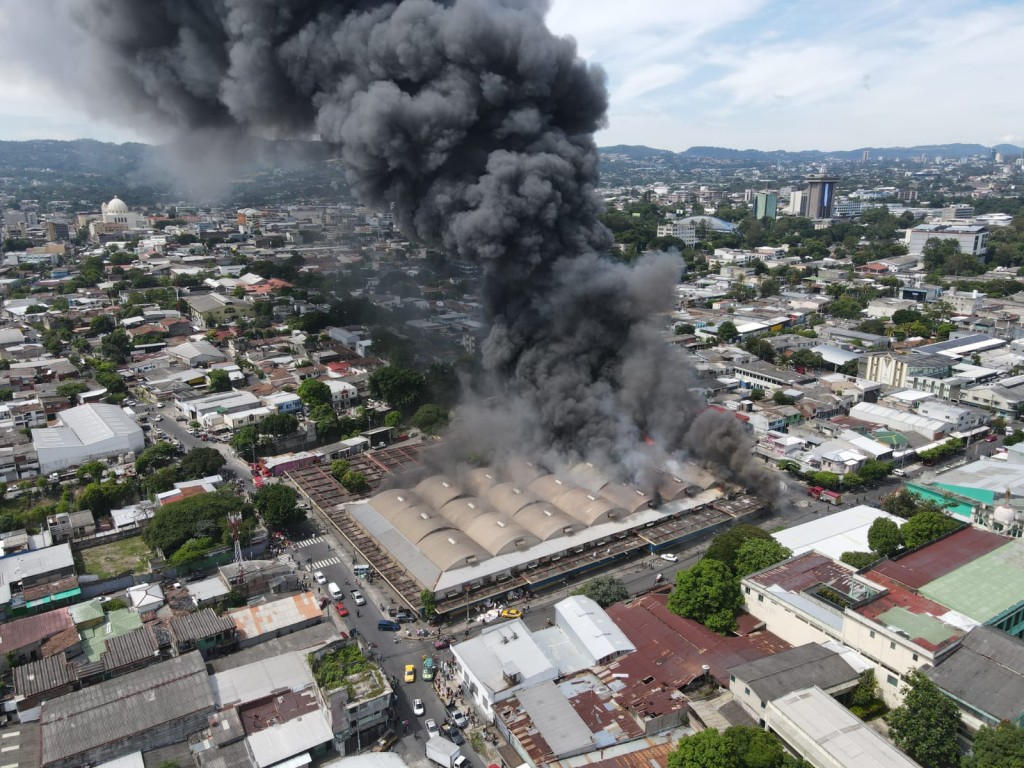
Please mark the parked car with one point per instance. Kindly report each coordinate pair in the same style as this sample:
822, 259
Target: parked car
512, 613
990, 438
440, 644
417, 707
452, 734
320, 578
358, 597
385, 742
457, 718
670, 557
431, 725
342, 610
404, 617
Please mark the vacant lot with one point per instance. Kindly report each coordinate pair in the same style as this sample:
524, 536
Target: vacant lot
116, 557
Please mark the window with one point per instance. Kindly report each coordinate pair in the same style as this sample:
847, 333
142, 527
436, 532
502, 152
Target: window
915, 657
760, 598
746, 691
732, 678
892, 645
891, 679
746, 590
872, 633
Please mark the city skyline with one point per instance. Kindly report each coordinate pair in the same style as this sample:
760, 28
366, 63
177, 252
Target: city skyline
744, 74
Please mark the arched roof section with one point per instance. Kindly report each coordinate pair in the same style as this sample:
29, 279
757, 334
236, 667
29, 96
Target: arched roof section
509, 498
670, 487
418, 522
438, 490
588, 508
478, 481
390, 504
550, 488
546, 521
461, 512
522, 472
498, 535
625, 496
450, 549
588, 476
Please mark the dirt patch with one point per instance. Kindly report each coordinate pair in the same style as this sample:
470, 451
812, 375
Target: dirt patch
117, 557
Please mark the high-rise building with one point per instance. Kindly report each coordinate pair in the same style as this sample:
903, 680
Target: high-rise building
766, 205
798, 203
821, 194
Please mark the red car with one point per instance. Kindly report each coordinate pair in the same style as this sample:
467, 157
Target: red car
342, 610
991, 439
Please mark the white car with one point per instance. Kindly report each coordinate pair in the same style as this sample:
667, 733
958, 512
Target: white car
358, 597
432, 729
417, 707
670, 557
319, 577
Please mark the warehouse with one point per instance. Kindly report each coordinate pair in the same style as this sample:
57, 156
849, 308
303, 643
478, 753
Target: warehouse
88, 432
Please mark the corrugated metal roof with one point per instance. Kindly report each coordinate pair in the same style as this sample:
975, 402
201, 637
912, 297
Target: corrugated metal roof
191, 627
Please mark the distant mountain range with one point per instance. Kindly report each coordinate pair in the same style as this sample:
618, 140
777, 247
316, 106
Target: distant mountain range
812, 155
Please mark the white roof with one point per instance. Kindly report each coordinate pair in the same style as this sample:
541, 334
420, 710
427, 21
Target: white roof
831, 535
812, 721
85, 425
502, 646
249, 682
24, 565
599, 636
279, 742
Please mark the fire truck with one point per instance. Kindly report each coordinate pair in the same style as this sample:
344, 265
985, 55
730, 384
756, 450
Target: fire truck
822, 494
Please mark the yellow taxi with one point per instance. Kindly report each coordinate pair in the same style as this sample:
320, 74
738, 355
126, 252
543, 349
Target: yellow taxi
410, 673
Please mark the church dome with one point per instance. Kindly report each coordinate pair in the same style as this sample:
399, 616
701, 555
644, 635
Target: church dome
116, 205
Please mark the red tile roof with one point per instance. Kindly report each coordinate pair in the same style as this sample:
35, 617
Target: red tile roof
22, 633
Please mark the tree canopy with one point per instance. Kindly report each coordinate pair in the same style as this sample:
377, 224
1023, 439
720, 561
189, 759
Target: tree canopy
430, 418
756, 554
605, 590
278, 424
192, 517
741, 746
926, 526
726, 544
708, 593
201, 462
999, 747
401, 388
313, 392
925, 725
276, 504
219, 380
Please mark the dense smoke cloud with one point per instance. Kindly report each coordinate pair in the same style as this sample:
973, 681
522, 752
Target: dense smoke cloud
477, 124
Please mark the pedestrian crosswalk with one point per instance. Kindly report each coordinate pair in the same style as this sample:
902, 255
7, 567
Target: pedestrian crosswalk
308, 542
321, 564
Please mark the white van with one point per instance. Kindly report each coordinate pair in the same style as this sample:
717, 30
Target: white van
335, 591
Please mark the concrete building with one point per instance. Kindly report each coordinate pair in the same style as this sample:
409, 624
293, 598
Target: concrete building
897, 370
84, 433
901, 421
766, 205
832, 535
196, 354
821, 196
970, 239
817, 728
125, 715
756, 683
213, 309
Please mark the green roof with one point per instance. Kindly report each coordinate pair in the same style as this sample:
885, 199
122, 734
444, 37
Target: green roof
119, 622
985, 587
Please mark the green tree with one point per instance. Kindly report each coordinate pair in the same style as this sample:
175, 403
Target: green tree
313, 392
428, 603
278, 424
926, 526
160, 480
866, 700
355, 482
190, 551
998, 425
117, 345
276, 504
324, 417
741, 746
94, 498
244, 441
727, 332
219, 380
192, 517
874, 471
884, 537
925, 725
999, 747
201, 462
401, 388
769, 287
393, 419
71, 390
339, 468
726, 545
708, 593
430, 418
903, 504
91, 471
757, 554
605, 590
155, 456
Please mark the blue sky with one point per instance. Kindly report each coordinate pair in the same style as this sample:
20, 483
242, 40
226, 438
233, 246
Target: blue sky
742, 73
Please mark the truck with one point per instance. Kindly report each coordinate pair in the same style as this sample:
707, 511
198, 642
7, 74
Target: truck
829, 497
911, 470
445, 753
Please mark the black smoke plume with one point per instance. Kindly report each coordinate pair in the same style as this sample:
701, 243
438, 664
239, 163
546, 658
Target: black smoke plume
478, 125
